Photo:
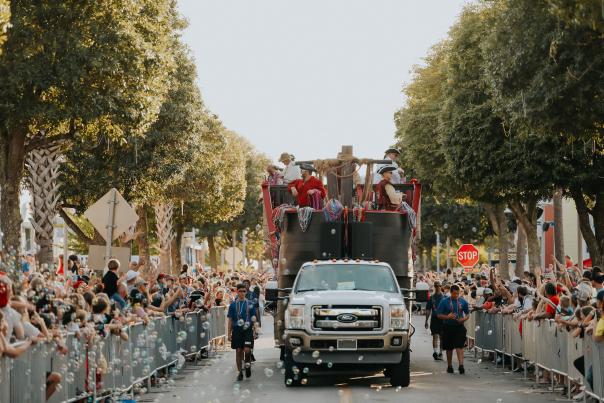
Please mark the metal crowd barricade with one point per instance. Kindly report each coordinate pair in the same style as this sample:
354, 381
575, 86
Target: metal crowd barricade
149, 349
542, 343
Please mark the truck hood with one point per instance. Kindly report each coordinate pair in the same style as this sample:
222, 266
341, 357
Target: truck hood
345, 297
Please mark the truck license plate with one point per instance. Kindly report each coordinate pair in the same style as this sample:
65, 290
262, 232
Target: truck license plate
347, 344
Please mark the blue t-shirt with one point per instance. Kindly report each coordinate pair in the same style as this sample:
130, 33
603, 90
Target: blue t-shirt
459, 307
433, 303
241, 313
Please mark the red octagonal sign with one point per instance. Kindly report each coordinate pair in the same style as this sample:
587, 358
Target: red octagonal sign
467, 255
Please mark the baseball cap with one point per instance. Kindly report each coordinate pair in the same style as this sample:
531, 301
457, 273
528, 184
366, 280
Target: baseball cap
598, 278
131, 275
487, 291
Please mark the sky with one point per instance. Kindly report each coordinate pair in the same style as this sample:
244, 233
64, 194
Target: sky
308, 76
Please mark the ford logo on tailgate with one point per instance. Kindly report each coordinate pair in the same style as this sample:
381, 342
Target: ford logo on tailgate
347, 318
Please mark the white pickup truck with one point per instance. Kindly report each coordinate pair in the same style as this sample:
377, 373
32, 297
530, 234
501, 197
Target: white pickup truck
347, 316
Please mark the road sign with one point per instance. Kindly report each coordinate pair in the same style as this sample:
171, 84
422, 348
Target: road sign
111, 210
111, 215
467, 255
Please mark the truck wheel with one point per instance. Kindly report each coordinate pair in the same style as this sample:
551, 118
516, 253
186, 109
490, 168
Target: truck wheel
400, 374
290, 378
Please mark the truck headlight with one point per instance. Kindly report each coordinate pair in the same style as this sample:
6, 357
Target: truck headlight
294, 317
399, 317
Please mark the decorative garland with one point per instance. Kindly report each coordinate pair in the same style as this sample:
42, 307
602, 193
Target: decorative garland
304, 217
333, 210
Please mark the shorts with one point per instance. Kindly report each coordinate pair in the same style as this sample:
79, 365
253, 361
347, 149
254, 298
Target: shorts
436, 326
453, 336
242, 338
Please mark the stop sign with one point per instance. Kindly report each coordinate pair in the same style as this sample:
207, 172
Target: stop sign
467, 255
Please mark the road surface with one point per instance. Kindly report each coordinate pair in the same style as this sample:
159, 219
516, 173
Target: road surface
213, 381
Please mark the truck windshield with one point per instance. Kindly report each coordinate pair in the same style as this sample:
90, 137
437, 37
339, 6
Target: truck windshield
346, 277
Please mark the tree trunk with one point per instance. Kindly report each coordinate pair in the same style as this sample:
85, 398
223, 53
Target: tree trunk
142, 238
12, 158
165, 233
594, 240
527, 217
558, 226
520, 252
175, 252
496, 215
43, 173
429, 264
212, 252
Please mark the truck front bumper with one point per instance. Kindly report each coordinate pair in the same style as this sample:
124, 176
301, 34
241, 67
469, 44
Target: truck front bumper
371, 349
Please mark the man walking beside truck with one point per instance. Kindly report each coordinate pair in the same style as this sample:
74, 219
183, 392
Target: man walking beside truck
241, 331
454, 311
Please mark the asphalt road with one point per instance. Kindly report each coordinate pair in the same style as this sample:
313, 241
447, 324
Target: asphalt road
213, 380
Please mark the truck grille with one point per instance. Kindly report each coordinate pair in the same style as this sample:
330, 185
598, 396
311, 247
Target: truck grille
347, 318
333, 344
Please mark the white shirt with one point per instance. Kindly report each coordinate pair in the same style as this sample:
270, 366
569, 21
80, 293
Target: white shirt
13, 320
422, 286
291, 173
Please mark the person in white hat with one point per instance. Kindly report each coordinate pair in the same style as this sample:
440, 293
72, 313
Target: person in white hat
291, 172
131, 276
398, 175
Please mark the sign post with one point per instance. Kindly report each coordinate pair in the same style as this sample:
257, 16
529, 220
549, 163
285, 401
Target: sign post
467, 255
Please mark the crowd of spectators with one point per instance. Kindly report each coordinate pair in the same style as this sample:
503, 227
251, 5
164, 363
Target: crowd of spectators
564, 293
39, 306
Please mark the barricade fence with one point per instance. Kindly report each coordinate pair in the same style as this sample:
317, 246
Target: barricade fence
542, 343
109, 365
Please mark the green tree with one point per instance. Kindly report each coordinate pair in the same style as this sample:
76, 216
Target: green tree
251, 213
74, 70
4, 21
552, 89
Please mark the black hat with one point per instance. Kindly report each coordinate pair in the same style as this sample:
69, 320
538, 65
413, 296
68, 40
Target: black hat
307, 167
386, 168
392, 150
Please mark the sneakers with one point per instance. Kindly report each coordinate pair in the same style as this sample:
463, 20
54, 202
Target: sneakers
440, 355
462, 370
435, 356
248, 372
449, 370
240, 376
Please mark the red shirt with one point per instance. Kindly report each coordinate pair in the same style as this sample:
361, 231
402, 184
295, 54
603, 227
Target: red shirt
550, 310
303, 188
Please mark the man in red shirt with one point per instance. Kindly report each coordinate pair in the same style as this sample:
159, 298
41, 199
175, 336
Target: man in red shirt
300, 188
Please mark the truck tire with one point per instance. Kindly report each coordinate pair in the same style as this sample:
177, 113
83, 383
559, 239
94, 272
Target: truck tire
400, 374
290, 378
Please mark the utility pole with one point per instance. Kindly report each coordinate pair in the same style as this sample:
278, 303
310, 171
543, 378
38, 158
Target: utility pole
448, 253
437, 252
243, 245
234, 246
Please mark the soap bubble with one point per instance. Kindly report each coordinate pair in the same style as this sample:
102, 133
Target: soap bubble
490, 332
361, 358
268, 372
315, 354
